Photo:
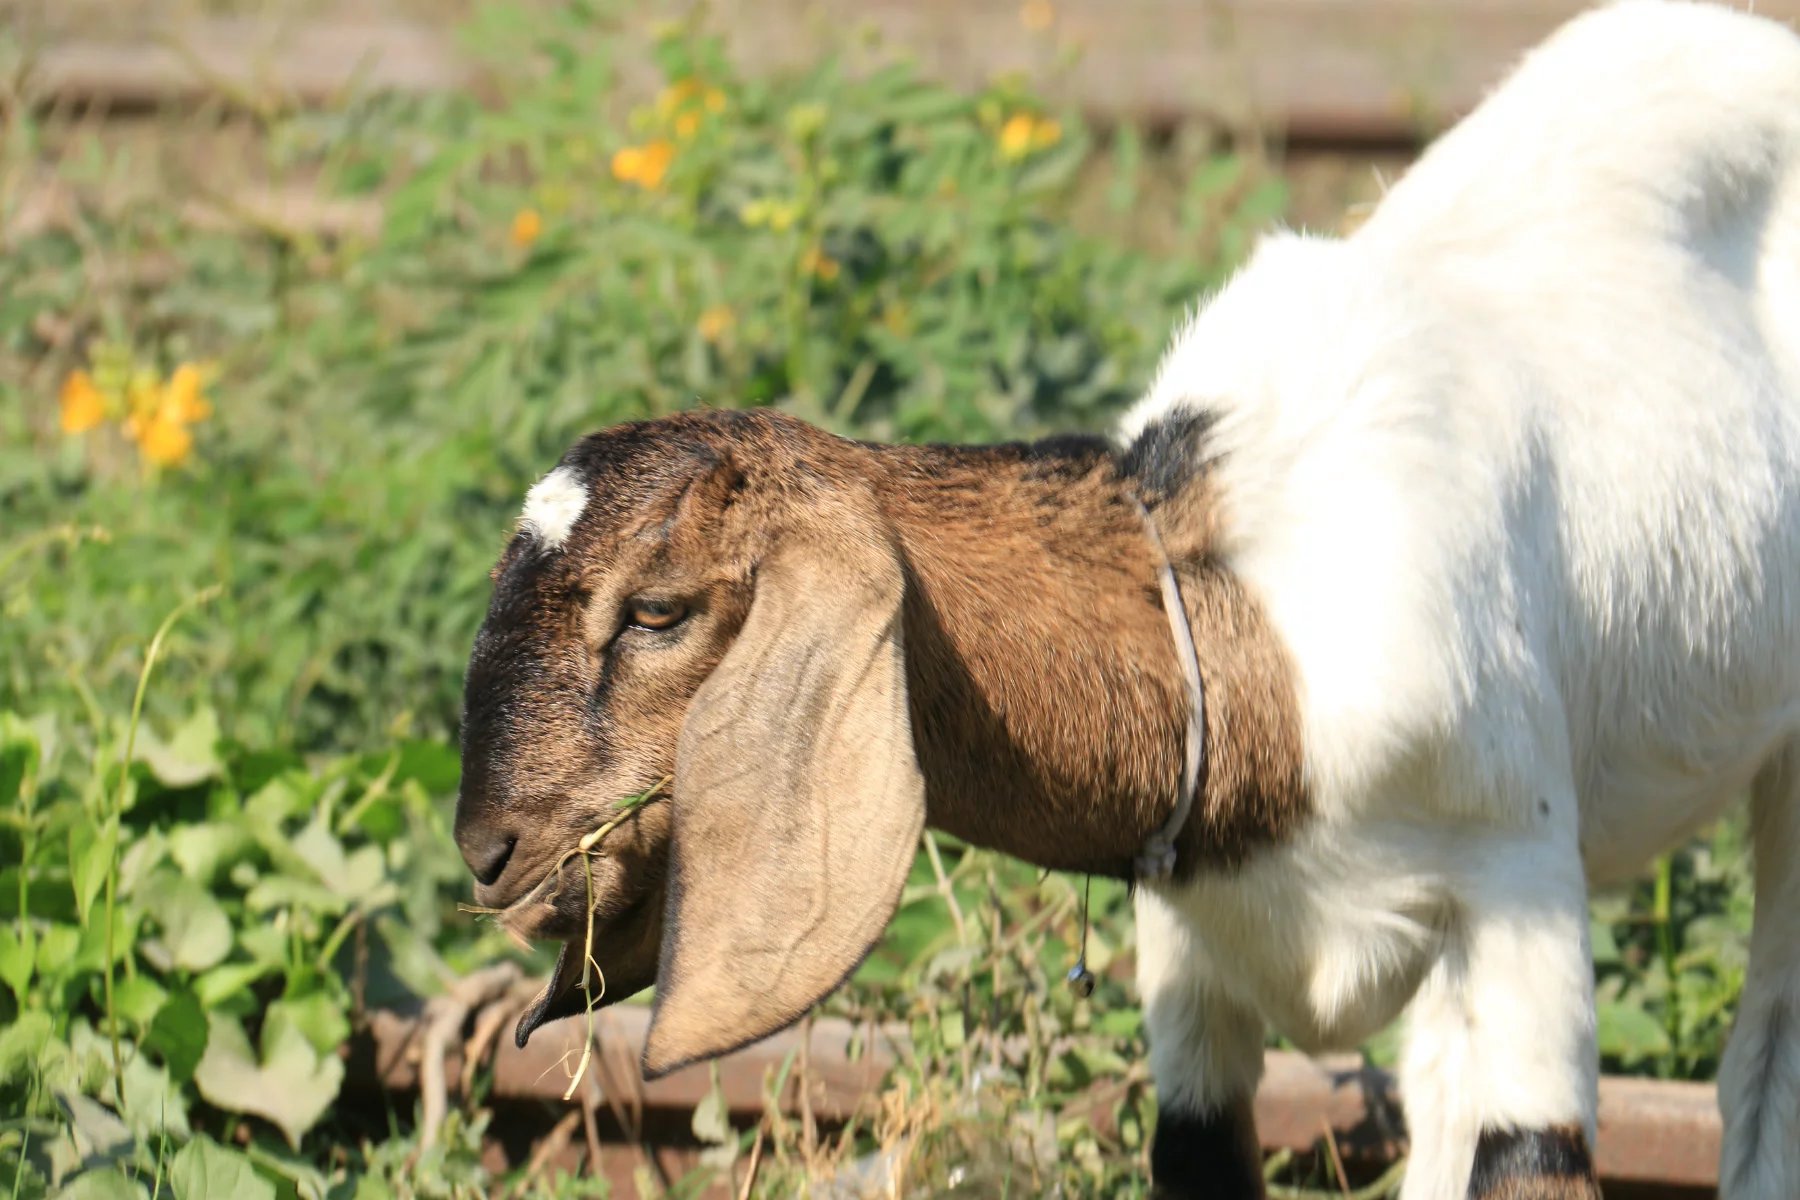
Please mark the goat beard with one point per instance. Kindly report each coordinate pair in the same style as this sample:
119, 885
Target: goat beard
624, 952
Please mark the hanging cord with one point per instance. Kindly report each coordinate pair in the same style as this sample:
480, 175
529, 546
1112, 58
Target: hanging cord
1080, 978
1156, 861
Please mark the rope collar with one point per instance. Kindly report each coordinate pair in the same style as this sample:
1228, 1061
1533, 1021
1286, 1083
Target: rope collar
1156, 861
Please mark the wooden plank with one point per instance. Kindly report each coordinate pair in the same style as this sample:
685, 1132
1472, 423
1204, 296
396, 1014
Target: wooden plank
1339, 71
1651, 1132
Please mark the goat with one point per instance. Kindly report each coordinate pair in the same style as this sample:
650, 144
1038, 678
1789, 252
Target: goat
1486, 524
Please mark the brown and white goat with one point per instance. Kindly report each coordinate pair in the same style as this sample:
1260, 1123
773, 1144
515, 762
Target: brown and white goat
1486, 522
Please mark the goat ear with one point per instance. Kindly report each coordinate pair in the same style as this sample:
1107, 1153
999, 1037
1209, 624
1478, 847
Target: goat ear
797, 802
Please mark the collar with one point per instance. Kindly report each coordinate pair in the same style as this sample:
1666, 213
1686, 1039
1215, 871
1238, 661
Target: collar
1156, 861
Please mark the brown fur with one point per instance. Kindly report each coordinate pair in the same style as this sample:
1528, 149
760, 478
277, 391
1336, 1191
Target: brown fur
1041, 695
1048, 704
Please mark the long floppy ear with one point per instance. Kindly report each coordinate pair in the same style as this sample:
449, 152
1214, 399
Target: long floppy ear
797, 800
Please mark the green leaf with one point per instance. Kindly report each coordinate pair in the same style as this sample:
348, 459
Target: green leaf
214, 987
152, 1103
291, 1086
178, 1034
16, 956
19, 753
56, 947
90, 858
98, 1131
195, 928
202, 850
318, 1016
712, 1116
1630, 1034
22, 1041
138, 998
109, 1184
189, 757
205, 1170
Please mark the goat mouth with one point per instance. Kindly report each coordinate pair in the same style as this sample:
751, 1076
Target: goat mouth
624, 956
549, 1004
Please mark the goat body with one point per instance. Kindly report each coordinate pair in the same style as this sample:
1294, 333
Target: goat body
1514, 472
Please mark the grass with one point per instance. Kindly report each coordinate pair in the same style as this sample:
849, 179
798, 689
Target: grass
224, 826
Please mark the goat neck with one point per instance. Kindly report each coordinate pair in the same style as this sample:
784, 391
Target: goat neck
1048, 705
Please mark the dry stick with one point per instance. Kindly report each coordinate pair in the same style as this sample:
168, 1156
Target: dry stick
809, 1133
1381, 1189
756, 1150
489, 1022
446, 1016
945, 890
590, 1101
1337, 1161
554, 1143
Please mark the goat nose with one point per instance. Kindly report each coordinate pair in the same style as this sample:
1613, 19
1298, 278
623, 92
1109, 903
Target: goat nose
487, 859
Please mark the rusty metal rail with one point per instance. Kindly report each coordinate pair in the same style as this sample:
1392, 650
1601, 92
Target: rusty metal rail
1656, 1138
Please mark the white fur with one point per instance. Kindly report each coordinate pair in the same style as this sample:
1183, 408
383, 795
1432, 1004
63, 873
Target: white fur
553, 505
1515, 470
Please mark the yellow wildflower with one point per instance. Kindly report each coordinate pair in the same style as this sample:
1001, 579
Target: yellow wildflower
183, 400
158, 414
678, 94
817, 263
1024, 133
83, 404
1037, 15
716, 322
1015, 136
165, 442
684, 102
527, 225
643, 165
778, 215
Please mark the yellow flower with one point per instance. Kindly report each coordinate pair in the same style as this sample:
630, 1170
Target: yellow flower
1037, 15
643, 165
83, 404
143, 402
716, 322
165, 442
1015, 136
817, 263
182, 399
676, 95
684, 102
526, 226
1024, 133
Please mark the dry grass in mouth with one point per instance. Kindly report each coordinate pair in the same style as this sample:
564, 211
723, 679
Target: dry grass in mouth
513, 915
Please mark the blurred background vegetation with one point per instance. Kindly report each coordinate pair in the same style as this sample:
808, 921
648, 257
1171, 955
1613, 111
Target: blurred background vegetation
275, 444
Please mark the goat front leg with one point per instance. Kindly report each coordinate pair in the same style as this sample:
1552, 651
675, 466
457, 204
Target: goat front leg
1206, 1057
1499, 1071
1759, 1081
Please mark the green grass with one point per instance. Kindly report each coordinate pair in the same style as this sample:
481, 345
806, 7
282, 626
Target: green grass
212, 866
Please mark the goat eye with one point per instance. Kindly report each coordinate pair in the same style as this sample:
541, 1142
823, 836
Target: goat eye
655, 615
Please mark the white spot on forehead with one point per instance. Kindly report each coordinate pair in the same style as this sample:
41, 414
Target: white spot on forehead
552, 507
